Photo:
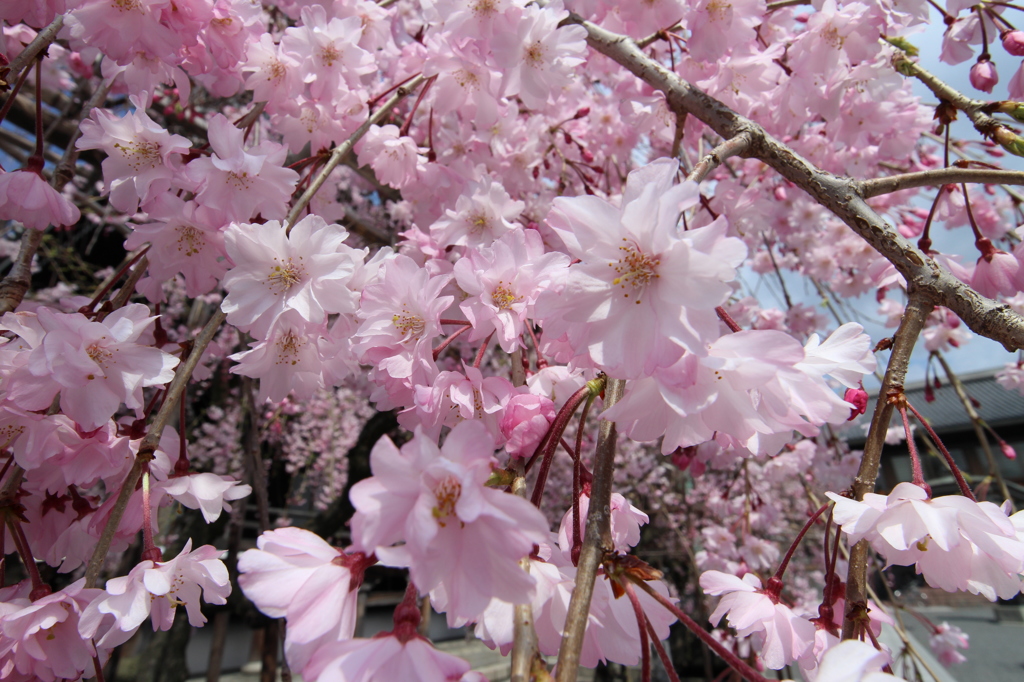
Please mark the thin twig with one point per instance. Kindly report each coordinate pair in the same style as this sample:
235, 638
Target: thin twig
345, 147
734, 146
597, 541
904, 340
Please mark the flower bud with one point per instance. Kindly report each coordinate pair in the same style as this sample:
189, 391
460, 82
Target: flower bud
1007, 450
1013, 42
858, 399
984, 76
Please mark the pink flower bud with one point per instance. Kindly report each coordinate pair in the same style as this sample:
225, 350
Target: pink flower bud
929, 394
858, 399
1013, 42
984, 76
525, 422
1007, 450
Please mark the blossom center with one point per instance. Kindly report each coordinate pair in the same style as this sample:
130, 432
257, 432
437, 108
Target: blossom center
190, 240
467, 79
484, 8
276, 71
100, 355
636, 269
409, 324
242, 181
534, 55
718, 10
126, 5
503, 297
329, 55
142, 153
447, 494
284, 275
288, 346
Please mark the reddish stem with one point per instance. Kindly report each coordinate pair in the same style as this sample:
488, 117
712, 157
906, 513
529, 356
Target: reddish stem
423, 92
483, 349
110, 285
641, 621
965, 489
662, 654
550, 442
149, 550
39, 588
915, 458
799, 537
451, 337
970, 214
735, 662
577, 472
541, 362
729, 322
14, 93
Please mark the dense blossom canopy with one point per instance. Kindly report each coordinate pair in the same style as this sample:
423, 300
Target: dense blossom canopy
389, 250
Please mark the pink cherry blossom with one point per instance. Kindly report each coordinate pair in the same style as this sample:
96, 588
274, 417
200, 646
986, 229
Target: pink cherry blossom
458, 534
294, 574
142, 157
784, 637
526, 419
242, 182
207, 492
305, 270
26, 197
639, 271
394, 157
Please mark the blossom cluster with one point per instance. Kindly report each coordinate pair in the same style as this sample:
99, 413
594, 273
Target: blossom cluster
458, 211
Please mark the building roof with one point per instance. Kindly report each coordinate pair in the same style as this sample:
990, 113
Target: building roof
998, 407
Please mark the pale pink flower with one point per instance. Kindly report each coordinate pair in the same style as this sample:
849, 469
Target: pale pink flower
625, 524
286, 362
208, 492
155, 590
26, 197
394, 157
296, 575
483, 213
327, 50
385, 658
274, 271
124, 30
782, 636
40, 638
854, 661
458, 534
997, 271
242, 182
955, 543
275, 76
184, 237
945, 642
538, 56
142, 157
96, 366
503, 283
639, 271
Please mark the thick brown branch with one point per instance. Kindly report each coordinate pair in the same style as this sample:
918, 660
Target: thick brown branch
939, 176
982, 315
918, 309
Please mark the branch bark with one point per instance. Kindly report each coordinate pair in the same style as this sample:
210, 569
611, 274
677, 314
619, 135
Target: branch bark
735, 146
917, 311
941, 176
38, 44
838, 194
597, 541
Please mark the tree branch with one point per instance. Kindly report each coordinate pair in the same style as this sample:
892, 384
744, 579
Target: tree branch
734, 146
597, 541
982, 315
345, 147
149, 445
38, 44
940, 176
917, 311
